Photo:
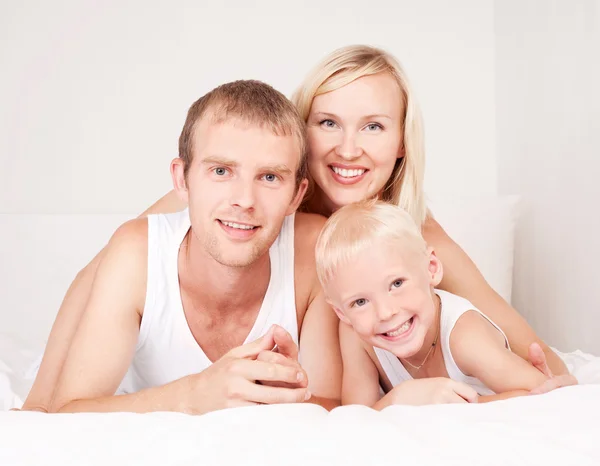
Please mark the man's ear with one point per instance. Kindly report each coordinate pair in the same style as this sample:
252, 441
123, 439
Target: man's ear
434, 268
179, 181
297, 200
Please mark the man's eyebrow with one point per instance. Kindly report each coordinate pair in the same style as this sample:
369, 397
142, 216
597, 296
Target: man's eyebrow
281, 169
218, 160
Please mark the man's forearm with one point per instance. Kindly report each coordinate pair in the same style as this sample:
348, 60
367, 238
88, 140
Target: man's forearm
164, 398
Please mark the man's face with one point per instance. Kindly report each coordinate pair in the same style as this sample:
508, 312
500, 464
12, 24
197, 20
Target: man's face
240, 187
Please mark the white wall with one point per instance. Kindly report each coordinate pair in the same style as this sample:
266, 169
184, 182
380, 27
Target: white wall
94, 94
548, 151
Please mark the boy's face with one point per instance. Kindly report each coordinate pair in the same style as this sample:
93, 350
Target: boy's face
387, 296
240, 187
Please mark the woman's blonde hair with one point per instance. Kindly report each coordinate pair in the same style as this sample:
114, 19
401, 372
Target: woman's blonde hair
357, 228
405, 185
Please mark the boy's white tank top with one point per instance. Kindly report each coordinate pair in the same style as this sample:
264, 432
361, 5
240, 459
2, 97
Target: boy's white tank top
452, 308
166, 349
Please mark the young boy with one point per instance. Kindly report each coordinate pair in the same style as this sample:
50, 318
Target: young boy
380, 277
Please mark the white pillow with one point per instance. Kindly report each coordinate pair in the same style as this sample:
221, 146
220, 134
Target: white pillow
484, 227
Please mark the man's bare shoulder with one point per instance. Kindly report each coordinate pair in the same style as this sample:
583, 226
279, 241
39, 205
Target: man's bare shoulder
306, 231
123, 268
129, 243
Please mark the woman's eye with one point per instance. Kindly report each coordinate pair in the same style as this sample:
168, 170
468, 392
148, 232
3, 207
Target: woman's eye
220, 171
359, 302
374, 127
328, 123
397, 283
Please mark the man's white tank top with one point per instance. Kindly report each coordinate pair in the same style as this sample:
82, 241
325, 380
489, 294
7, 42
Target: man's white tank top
166, 349
452, 308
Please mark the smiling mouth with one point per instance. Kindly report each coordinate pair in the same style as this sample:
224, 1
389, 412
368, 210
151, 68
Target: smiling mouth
237, 226
399, 330
348, 173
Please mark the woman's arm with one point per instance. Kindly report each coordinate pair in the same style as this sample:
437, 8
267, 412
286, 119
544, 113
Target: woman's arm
461, 277
167, 204
69, 315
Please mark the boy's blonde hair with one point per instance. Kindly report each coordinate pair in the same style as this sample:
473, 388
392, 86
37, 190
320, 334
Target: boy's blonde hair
355, 228
405, 185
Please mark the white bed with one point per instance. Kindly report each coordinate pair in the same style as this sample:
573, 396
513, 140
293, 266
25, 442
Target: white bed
39, 256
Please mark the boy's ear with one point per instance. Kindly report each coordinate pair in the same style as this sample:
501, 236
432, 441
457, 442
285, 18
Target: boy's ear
341, 315
179, 181
435, 268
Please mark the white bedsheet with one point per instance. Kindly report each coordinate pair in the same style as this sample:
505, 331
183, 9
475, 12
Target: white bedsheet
562, 427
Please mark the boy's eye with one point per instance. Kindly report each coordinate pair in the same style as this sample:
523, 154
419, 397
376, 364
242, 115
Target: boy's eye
220, 171
359, 302
397, 283
270, 177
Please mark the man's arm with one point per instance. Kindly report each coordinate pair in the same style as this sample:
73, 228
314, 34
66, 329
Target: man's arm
105, 340
479, 350
462, 278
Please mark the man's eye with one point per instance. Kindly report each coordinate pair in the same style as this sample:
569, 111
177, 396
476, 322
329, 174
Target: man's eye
270, 177
220, 171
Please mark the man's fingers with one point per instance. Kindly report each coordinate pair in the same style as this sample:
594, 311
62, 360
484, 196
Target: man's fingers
467, 393
275, 395
276, 358
537, 357
285, 343
253, 349
269, 372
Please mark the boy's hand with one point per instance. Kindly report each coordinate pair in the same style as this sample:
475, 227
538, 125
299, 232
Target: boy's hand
437, 390
537, 357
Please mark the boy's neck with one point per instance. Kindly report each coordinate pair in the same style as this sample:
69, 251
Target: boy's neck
432, 338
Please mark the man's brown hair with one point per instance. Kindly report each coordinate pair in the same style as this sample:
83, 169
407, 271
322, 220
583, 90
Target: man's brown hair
253, 102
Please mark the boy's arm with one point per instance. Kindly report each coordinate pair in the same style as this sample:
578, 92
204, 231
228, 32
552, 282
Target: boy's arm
320, 352
360, 382
479, 350
462, 278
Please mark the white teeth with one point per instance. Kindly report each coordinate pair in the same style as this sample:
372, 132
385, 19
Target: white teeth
348, 173
237, 225
405, 326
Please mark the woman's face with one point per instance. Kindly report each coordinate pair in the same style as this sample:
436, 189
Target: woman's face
355, 138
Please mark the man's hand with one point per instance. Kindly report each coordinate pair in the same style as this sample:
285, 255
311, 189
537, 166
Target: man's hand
230, 381
285, 353
436, 390
537, 357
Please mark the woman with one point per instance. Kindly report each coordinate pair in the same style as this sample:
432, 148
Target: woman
365, 140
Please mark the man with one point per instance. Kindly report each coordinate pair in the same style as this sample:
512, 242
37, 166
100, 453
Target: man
186, 309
